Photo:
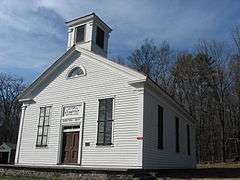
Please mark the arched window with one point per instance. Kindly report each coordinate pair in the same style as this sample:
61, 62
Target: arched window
77, 71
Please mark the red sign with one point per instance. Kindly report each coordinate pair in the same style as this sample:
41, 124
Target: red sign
139, 138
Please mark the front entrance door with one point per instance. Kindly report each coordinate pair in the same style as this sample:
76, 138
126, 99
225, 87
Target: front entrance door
70, 147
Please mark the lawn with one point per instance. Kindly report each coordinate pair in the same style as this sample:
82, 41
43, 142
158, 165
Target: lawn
219, 165
20, 178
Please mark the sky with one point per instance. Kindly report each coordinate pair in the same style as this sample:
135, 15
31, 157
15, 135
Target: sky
33, 32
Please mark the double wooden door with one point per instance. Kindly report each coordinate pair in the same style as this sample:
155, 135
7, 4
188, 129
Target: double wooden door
70, 147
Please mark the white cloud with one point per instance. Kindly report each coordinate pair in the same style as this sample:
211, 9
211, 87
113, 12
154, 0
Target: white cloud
35, 31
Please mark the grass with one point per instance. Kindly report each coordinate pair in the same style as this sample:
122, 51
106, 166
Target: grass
20, 178
219, 165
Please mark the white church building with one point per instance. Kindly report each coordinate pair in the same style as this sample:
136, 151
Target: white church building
87, 111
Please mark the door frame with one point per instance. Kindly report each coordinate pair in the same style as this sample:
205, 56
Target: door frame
61, 144
71, 163
80, 130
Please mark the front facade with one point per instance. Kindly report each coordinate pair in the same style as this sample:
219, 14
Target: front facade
87, 111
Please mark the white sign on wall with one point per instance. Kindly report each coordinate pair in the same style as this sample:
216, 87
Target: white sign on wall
72, 113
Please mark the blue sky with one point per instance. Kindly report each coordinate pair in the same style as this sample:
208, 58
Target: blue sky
33, 34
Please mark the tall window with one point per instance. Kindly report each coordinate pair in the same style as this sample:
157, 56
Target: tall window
188, 140
177, 134
80, 33
160, 127
104, 136
100, 38
43, 126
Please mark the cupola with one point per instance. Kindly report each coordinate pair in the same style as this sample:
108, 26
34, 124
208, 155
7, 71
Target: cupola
89, 32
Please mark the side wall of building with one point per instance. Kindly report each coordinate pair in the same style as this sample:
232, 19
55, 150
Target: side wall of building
101, 81
167, 157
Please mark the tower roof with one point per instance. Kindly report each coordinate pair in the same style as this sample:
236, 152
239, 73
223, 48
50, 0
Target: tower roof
87, 18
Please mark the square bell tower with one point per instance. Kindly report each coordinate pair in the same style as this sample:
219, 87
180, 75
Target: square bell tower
89, 32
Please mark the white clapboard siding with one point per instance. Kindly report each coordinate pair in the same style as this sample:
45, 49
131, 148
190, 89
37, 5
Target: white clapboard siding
101, 81
166, 158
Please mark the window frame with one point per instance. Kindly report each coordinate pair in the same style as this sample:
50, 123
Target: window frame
72, 68
160, 127
99, 43
84, 33
105, 122
43, 126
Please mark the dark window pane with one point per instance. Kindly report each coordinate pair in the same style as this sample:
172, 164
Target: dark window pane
75, 72
102, 105
160, 127
108, 138
188, 140
177, 134
100, 139
102, 116
101, 127
109, 114
100, 38
109, 109
109, 127
80, 33
105, 121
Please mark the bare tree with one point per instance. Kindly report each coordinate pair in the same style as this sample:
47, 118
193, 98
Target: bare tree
10, 88
154, 61
143, 58
236, 38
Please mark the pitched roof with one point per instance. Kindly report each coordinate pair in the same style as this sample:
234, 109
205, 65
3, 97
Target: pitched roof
45, 74
26, 94
132, 72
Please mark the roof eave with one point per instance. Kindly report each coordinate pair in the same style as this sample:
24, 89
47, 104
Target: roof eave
86, 18
24, 96
178, 106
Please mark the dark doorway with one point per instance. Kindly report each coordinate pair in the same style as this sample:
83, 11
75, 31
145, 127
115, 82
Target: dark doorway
4, 157
70, 147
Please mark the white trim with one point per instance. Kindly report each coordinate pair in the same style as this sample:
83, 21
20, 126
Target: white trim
140, 125
24, 107
72, 130
9, 156
79, 130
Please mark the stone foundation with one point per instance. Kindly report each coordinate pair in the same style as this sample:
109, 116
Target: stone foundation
67, 173
77, 173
